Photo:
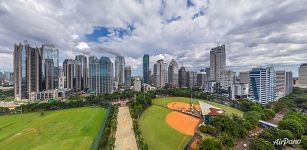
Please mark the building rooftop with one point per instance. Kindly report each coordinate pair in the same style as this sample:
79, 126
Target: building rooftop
207, 109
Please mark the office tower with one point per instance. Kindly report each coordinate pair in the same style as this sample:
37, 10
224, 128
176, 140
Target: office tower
173, 74
165, 73
201, 78
84, 71
159, 74
120, 69
207, 70
62, 79
72, 72
262, 85
49, 67
217, 63
127, 77
26, 70
94, 80
146, 73
137, 83
11, 78
106, 75
284, 83
302, 75
182, 77
191, 77
244, 77
228, 79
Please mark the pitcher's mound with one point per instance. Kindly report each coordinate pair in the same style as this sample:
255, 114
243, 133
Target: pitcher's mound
181, 122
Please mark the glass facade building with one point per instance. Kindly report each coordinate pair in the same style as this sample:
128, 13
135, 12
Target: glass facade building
146, 69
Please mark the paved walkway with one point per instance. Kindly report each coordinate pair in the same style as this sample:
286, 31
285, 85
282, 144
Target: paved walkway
125, 139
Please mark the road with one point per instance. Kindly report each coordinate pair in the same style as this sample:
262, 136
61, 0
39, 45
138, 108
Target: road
125, 139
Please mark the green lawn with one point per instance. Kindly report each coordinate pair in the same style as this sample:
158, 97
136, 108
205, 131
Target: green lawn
157, 133
64, 129
227, 109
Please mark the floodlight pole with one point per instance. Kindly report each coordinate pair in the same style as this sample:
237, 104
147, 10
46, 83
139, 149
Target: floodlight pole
191, 99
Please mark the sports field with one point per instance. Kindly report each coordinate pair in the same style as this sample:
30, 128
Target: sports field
158, 134
63, 129
227, 109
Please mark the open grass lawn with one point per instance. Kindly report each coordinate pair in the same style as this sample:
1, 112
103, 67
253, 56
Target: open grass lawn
157, 133
164, 101
63, 129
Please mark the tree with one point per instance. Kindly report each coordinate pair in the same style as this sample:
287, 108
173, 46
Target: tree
272, 134
252, 117
226, 139
211, 144
292, 125
269, 113
304, 142
261, 144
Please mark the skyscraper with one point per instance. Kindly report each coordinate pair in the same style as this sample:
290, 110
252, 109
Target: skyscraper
159, 74
262, 85
106, 75
207, 70
284, 83
182, 77
26, 71
72, 72
94, 71
302, 75
127, 77
191, 77
244, 77
217, 63
146, 73
84, 71
49, 67
228, 79
173, 74
201, 78
120, 69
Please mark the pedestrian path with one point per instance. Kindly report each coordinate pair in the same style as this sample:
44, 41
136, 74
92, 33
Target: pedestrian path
125, 139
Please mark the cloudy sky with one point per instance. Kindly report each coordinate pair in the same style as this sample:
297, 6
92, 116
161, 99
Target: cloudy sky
255, 32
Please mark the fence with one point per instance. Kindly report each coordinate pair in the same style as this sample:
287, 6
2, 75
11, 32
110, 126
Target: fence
98, 137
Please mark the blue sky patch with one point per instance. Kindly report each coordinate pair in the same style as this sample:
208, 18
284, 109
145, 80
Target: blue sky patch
98, 32
190, 3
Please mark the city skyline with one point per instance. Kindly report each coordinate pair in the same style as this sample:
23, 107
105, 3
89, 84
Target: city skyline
252, 30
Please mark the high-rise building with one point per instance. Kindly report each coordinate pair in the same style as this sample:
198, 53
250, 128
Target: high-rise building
182, 77
217, 63
244, 77
302, 75
165, 73
120, 69
62, 79
228, 79
49, 67
72, 72
128, 77
106, 75
159, 74
262, 85
137, 83
201, 78
284, 83
191, 77
173, 74
84, 71
26, 71
94, 71
146, 73
207, 70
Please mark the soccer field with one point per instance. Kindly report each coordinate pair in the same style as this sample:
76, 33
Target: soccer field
63, 129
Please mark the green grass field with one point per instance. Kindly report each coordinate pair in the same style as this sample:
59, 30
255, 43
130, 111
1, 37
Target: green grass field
64, 129
227, 109
158, 134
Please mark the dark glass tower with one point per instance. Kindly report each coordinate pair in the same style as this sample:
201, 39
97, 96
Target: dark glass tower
146, 68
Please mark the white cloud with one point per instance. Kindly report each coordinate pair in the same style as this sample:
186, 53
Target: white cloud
255, 33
